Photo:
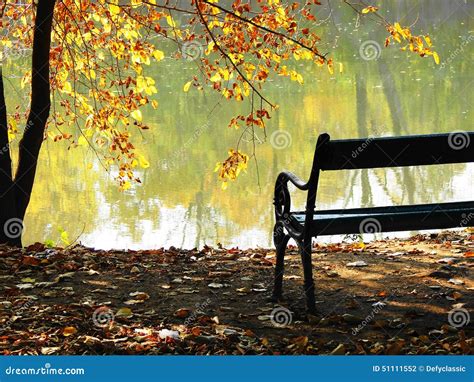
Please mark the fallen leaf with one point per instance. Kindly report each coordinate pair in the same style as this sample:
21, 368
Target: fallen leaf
69, 330
166, 333
301, 341
64, 276
49, 350
456, 295
124, 312
358, 263
30, 260
25, 286
215, 285
140, 295
395, 348
133, 302
28, 280
182, 313
447, 260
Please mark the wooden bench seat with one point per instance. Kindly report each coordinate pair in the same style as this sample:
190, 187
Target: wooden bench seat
386, 219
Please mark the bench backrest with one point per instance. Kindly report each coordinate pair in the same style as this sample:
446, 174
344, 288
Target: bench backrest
415, 150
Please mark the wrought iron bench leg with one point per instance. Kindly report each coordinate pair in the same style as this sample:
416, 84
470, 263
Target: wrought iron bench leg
281, 241
305, 250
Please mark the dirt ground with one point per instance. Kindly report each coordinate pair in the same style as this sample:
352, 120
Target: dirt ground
411, 296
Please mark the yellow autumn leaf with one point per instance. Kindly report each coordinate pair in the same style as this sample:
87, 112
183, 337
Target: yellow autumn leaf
124, 312
125, 186
114, 9
159, 55
187, 86
143, 162
67, 88
170, 21
82, 141
65, 237
137, 115
436, 58
400, 30
369, 9
216, 77
428, 40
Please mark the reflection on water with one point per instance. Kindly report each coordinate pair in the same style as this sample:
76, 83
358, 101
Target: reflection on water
180, 202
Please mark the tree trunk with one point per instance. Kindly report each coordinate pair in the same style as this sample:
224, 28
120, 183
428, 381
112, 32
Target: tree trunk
33, 135
8, 214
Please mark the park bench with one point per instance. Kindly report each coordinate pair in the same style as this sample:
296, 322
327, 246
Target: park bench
350, 154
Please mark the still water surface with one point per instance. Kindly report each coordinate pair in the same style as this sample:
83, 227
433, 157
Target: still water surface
180, 202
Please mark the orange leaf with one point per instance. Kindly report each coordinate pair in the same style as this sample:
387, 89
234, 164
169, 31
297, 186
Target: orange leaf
182, 313
69, 331
30, 260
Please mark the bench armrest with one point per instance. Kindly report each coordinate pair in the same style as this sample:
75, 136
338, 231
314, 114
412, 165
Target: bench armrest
286, 176
282, 199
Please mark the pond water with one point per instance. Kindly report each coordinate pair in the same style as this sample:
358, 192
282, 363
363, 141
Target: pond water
180, 202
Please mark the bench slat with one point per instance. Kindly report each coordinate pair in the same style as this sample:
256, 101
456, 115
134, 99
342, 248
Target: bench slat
415, 150
389, 219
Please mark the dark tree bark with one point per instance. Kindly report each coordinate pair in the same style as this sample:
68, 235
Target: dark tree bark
7, 196
18, 194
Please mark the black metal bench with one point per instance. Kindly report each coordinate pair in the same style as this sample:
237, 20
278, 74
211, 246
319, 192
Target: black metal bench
362, 154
